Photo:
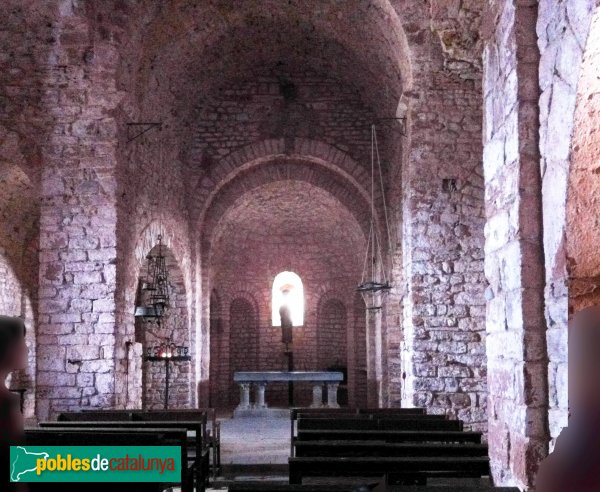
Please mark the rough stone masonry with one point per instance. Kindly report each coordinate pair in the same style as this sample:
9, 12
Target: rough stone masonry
258, 161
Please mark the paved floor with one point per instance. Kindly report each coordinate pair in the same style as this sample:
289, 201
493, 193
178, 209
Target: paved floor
251, 440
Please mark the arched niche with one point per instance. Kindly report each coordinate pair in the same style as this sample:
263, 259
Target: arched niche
244, 340
175, 327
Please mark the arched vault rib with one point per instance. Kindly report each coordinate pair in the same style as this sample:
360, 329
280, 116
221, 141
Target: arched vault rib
352, 197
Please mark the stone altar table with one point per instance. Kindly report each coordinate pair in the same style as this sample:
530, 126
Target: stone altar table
260, 379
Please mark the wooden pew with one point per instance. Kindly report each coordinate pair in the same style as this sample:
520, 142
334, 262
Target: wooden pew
103, 415
390, 435
212, 438
347, 413
370, 416
306, 449
421, 423
270, 487
197, 454
413, 468
273, 487
393, 411
106, 436
331, 412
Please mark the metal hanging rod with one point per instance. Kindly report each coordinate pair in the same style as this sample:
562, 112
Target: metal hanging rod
145, 127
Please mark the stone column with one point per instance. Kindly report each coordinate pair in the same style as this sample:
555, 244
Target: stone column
317, 396
78, 236
244, 396
260, 395
332, 401
516, 326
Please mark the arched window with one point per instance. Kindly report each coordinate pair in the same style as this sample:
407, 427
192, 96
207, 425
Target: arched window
291, 283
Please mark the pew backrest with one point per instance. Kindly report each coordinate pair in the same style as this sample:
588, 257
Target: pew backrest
104, 415
390, 435
379, 424
112, 436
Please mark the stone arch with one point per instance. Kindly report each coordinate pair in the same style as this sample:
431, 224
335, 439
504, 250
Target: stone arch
384, 52
19, 261
312, 161
16, 300
273, 171
177, 329
298, 148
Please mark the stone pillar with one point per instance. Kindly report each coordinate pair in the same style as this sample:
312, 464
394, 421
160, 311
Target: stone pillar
332, 390
78, 237
317, 396
244, 396
443, 216
260, 395
515, 322
374, 357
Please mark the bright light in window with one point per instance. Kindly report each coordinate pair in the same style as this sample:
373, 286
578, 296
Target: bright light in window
295, 299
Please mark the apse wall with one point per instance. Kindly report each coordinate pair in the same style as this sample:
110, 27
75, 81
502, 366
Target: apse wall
248, 301
285, 226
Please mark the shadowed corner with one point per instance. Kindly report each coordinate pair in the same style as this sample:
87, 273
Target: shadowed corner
13, 357
575, 462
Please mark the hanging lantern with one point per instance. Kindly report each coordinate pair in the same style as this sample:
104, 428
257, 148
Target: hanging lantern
157, 285
374, 282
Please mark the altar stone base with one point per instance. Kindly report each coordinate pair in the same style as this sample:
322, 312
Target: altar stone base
259, 381
268, 413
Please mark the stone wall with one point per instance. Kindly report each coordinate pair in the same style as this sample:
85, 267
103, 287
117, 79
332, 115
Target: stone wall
289, 104
267, 231
443, 347
582, 205
514, 262
244, 340
562, 29
78, 215
331, 334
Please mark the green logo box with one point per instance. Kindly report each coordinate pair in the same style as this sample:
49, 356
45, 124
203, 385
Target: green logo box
95, 464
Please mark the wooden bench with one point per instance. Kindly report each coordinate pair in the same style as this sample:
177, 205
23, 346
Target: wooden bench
350, 413
306, 449
390, 435
211, 437
396, 469
197, 452
104, 415
422, 423
106, 436
278, 487
329, 412
274, 487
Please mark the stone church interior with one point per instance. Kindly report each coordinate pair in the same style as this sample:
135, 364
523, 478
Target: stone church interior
374, 219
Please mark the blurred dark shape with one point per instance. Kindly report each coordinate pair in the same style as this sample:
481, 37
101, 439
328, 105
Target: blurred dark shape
574, 465
13, 357
285, 314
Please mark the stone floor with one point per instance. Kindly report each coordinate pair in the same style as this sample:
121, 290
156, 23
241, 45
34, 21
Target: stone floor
252, 441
